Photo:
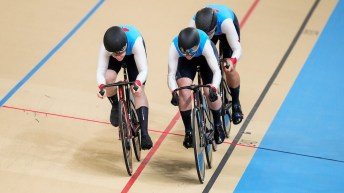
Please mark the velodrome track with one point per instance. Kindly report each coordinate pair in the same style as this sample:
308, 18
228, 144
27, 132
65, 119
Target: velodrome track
55, 132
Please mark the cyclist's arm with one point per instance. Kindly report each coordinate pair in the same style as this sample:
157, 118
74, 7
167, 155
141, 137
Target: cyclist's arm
228, 28
140, 59
103, 62
173, 57
208, 53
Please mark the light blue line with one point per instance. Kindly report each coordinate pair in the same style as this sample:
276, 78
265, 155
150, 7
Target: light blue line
48, 56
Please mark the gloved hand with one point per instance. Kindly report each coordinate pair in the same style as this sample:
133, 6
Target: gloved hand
137, 86
212, 94
225, 63
175, 99
102, 91
229, 63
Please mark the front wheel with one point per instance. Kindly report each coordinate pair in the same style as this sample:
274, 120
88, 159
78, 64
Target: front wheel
136, 128
209, 123
227, 118
198, 143
226, 108
209, 154
124, 126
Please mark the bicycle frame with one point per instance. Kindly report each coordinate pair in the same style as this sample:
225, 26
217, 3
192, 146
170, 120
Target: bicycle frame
203, 103
202, 136
225, 94
129, 125
224, 83
123, 90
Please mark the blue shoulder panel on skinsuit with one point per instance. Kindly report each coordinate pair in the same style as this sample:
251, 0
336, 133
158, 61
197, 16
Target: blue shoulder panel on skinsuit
222, 13
203, 38
132, 34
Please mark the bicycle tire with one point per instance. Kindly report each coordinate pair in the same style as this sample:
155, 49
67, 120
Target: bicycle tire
214, 145
124, 126
198, 144
209, 154
226, 108
211, 139
136, 131
210, 136
209, 126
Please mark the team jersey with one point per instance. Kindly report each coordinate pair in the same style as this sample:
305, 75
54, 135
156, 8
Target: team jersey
222, 13
132, 34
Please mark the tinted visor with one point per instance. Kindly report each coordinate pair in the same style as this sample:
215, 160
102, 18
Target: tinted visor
122, 50
211, 31
189, 52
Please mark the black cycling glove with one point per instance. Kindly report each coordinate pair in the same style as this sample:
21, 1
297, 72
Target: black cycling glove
175, 99
212, 94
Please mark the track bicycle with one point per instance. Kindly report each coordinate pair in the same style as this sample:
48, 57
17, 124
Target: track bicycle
202, 127
129, 126
226, 97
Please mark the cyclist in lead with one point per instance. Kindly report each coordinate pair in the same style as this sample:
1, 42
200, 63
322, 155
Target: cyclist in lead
124, 44
221, 24
192, 48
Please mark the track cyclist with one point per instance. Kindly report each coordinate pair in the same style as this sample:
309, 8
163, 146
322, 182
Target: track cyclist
124, 44
221, 24
189, 49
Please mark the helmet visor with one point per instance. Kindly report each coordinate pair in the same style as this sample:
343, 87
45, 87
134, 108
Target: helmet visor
211, 31
189, 52
121, 51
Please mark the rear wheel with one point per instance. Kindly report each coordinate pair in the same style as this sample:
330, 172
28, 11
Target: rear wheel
199, 144
125, 134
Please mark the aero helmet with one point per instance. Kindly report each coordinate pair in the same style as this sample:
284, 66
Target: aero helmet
188, 41
206, 19
115, 40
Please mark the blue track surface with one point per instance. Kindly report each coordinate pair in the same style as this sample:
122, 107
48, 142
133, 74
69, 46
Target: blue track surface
303, 150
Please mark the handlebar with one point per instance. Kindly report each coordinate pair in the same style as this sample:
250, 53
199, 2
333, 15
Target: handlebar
191, 87
120, 83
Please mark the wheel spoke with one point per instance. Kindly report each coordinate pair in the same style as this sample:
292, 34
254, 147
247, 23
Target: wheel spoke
125, 137
198, 143
136, 132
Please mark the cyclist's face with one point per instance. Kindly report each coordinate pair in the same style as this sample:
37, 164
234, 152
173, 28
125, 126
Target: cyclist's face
189, 57
119, 56
189, 53
211, 35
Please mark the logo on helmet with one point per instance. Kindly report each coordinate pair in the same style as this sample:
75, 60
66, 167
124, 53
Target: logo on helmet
125, 29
